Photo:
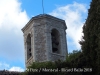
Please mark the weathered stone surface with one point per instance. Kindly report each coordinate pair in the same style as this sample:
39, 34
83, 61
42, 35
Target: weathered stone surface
40, 28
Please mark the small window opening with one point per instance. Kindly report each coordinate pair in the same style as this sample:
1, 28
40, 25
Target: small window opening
29, 54
55, 41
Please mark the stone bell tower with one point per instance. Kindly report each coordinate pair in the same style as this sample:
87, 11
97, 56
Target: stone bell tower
44, 39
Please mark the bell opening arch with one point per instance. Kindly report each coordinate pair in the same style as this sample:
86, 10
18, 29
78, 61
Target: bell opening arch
28, 40
55, 38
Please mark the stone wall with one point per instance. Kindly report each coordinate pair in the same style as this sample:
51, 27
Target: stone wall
40, 40
61, 27
40, 29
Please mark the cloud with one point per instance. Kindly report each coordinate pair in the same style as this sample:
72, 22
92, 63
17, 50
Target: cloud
12, 19
11, 15
19, 69
74, 15
4, 65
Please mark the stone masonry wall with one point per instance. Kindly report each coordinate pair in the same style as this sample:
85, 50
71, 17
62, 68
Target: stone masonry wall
40, 40
60, 26
40, 28
28, 31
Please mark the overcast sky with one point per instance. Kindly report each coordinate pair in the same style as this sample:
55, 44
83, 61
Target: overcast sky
14, 14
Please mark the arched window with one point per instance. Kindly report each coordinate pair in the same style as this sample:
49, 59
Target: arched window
29, 46
55, 38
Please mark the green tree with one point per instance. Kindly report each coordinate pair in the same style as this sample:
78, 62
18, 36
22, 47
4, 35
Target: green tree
90, 43
73, 60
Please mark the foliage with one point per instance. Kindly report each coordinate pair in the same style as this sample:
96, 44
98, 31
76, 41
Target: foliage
71, 61
37, 65
73, 56
91, 39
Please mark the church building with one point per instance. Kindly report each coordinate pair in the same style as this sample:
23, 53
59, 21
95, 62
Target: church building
45, 39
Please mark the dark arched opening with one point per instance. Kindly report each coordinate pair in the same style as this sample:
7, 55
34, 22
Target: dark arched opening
55, 37
29, 54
